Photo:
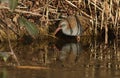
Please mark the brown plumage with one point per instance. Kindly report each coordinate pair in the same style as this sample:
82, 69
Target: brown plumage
74, 26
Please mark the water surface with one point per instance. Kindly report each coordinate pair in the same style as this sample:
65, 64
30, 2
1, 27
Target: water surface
60, 60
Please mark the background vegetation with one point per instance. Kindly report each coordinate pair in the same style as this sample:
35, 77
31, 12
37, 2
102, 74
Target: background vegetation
20, 18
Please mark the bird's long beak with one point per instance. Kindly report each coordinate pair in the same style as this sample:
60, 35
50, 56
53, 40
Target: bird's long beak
56, 31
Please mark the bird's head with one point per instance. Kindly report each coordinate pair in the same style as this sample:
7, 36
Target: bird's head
62, 25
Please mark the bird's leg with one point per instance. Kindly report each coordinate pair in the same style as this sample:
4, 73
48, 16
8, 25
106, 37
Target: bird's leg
78, 38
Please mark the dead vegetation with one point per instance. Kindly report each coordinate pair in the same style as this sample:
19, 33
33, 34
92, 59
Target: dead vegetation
44, 14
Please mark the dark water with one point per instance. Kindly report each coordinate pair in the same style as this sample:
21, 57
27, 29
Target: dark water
60, 60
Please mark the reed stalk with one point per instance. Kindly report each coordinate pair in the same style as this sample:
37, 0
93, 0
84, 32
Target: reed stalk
44, 13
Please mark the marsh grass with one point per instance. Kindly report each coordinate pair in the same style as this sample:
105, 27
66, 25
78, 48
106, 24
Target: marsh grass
103, 14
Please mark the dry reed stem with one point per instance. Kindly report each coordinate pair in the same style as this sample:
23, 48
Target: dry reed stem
96, 6
70, 3
50, 10
21, 11
10, 46
96, 25
107, 14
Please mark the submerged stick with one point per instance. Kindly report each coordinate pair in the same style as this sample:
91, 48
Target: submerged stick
32, 67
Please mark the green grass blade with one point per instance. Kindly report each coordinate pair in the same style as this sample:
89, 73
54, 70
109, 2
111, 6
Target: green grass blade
3, 0
31, 28
13, 4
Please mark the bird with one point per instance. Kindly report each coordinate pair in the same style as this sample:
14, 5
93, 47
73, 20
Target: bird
70, 53
72, 26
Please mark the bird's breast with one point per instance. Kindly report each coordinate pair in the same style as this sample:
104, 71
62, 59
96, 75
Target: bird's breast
71, 28
71, 31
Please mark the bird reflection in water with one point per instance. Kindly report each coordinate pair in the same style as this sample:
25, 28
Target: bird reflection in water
69, 53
